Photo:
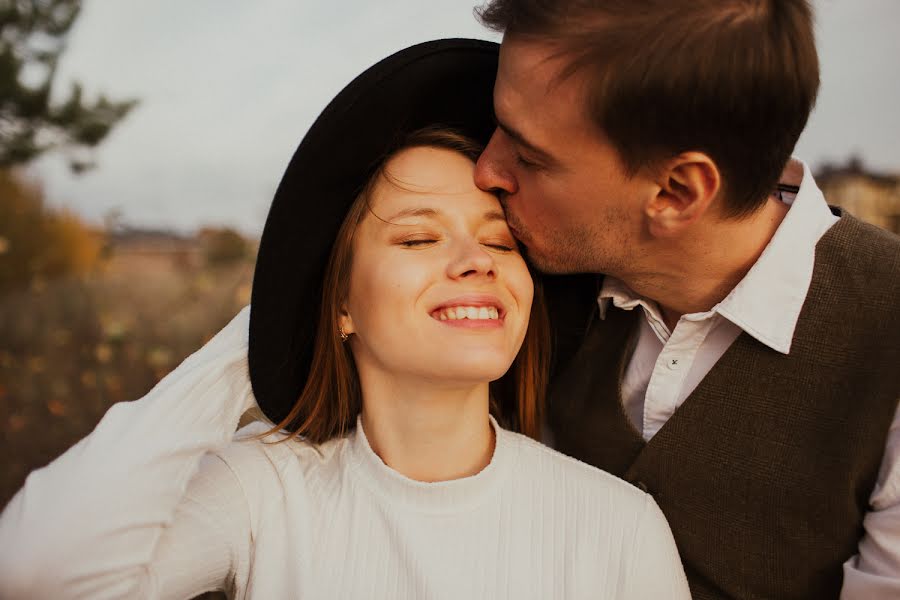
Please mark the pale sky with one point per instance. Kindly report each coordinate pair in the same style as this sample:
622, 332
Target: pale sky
227, 89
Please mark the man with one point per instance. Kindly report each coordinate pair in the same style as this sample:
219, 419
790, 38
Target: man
739, 359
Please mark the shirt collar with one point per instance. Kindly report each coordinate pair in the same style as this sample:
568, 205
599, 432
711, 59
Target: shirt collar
615, 291
768, 300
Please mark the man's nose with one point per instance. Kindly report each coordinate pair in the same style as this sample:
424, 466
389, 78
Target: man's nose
491, 173
471, 259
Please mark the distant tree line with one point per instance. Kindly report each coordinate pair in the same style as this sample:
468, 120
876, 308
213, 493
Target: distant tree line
33, 37
36, 241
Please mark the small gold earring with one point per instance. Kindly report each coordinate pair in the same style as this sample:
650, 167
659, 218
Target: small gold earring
344, 335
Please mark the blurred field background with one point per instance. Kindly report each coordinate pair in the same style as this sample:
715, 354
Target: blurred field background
93, 316
90, 313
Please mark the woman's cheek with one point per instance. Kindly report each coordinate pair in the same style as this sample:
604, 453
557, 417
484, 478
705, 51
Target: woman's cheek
523, 286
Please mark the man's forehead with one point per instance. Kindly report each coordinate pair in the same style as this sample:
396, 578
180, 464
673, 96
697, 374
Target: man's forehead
530, 64
530, 93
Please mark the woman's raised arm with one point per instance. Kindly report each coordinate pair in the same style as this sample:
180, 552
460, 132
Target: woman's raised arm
90, 523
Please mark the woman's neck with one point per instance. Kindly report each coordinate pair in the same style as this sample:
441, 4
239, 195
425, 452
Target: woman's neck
428, 433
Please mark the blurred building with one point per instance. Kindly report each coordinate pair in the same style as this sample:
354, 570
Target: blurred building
872, 197
143, 250
154, 250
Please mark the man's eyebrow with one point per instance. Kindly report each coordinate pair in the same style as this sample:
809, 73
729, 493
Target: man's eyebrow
520, 139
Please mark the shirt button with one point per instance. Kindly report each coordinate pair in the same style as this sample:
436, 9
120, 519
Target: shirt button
673, 363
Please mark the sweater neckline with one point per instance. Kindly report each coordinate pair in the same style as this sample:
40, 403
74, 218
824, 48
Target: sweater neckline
454, 495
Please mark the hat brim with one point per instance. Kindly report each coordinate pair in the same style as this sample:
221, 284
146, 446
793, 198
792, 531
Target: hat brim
448, 82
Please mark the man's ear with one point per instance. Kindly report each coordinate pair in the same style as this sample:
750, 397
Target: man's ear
687, 185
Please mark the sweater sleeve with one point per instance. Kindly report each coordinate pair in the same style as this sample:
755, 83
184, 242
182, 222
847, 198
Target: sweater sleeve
89, 524
655, 570
208, 545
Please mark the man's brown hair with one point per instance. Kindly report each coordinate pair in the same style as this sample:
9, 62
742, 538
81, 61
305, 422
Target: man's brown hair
735, 79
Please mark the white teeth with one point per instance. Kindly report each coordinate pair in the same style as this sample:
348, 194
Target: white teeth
481, 313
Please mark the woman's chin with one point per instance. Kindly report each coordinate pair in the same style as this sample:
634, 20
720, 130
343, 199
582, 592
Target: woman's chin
470, 369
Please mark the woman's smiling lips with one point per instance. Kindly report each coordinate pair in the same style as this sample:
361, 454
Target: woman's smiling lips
471, 311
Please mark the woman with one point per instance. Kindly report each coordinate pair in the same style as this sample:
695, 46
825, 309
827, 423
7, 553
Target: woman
375, 353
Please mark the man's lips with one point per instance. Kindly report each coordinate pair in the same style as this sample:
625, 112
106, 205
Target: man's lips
514, 226
515, 230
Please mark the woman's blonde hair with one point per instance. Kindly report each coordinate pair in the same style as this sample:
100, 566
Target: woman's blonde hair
331, 399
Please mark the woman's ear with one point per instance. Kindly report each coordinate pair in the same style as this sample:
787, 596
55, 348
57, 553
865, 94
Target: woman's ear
687, 186
345, 321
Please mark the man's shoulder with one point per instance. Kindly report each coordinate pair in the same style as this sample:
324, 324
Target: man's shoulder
856, 279
863, 244
862, 260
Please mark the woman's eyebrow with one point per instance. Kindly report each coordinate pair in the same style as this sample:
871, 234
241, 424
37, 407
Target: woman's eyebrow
415, 211
494, 215
431, 213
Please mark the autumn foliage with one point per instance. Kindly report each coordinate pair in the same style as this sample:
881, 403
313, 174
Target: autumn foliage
38, 243
89, 318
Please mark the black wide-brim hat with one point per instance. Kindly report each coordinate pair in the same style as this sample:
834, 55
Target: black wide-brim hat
447, 82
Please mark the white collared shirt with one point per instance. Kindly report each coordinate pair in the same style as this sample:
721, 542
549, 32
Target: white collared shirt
667, 365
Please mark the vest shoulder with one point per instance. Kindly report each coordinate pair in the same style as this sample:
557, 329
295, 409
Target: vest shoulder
857, 273
859, 245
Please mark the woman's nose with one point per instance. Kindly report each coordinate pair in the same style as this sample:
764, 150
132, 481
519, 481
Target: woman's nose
490, 173
471, 259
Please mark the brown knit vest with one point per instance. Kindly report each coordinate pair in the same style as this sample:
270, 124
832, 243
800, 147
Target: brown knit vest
764, 473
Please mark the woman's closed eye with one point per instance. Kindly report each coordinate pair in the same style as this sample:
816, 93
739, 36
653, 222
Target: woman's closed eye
418, 242
497, 245
502, 246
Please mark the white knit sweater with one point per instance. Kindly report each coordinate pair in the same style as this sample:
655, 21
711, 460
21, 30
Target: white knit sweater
162, 501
